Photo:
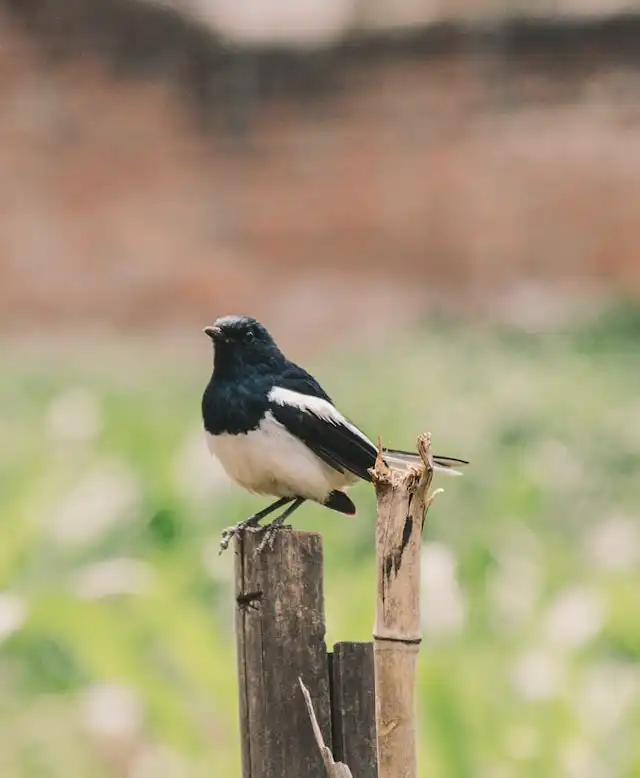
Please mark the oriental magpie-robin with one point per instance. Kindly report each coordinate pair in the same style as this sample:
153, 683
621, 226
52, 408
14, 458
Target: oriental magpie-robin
277, 432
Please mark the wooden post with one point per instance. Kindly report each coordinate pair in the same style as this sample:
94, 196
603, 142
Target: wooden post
280, 630
353, 708
403, 501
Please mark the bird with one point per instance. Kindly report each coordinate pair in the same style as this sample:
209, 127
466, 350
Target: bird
276, 432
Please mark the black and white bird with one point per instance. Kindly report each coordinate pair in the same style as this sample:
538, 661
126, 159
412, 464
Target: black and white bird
277, 432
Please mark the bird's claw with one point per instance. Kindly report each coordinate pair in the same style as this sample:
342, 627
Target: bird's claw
270, 533
250, 526
230, 532
227, 534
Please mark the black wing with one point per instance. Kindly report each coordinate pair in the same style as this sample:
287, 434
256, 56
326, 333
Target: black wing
324, 430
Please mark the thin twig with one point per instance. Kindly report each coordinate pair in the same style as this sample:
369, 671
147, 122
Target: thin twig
334, 769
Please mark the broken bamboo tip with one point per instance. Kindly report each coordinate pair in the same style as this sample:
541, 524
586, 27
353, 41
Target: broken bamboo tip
424, 449
417, 476
380, 472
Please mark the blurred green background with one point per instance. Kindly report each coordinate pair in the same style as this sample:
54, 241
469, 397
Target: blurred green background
434, 207
116, 611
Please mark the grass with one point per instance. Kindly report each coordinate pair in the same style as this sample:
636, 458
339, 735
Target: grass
116, 642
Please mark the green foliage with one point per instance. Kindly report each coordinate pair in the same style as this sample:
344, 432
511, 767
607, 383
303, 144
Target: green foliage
116, 617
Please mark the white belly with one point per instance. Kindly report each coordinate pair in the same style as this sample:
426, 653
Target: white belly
269, 460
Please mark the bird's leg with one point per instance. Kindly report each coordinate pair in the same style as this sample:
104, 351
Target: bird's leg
252, 521
271, 529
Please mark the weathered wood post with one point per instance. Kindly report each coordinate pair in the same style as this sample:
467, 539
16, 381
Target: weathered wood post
403, 501
280, 631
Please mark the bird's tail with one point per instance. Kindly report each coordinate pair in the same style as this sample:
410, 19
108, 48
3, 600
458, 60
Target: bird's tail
405, 458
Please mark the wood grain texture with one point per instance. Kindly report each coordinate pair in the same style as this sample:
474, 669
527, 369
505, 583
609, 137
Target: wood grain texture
353, 708
280, 630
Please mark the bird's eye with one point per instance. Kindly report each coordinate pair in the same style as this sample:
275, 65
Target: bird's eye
249, 337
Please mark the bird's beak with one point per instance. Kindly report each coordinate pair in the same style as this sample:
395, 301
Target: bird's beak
215, 333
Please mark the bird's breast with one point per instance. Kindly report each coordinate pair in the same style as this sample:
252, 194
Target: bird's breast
233, 407
270, 460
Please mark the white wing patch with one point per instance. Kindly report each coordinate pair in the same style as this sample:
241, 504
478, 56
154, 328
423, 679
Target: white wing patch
328, 412
323, 409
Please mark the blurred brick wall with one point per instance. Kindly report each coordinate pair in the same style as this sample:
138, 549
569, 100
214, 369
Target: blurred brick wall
443, 172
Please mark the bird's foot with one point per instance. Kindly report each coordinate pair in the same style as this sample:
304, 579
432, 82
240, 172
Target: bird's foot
251, 524
270, 532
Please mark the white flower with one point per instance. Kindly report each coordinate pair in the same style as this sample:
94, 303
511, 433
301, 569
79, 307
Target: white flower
75, 415
107, 495
198, 474
576, 616
614, 544
515, 586
580, 761
555, 465
112, 711
607, 691
13, 614
443, 606
119, 575
158, 762
537, 675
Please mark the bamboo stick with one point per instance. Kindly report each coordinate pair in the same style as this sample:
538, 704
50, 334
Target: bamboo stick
403, 501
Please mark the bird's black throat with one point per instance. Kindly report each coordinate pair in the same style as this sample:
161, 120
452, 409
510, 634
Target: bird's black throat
236, 398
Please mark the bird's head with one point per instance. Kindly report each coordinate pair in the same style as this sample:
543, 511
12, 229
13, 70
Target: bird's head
239, 341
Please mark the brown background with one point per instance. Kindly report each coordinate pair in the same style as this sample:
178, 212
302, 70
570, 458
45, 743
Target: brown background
150, 175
